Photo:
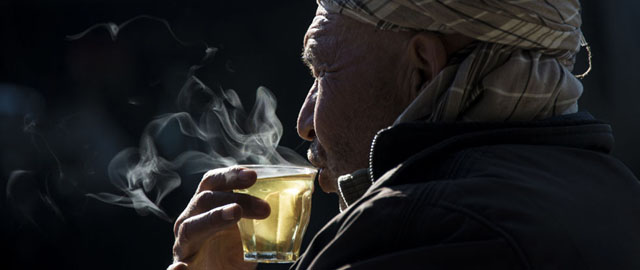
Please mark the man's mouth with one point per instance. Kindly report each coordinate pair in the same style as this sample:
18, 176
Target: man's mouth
317, 157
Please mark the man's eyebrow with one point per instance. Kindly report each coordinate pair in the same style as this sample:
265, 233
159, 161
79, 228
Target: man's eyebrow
307, 56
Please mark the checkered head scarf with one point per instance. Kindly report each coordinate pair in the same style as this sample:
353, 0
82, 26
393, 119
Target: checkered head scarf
520, 68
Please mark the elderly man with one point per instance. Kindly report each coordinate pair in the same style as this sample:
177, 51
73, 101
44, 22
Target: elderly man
449, 130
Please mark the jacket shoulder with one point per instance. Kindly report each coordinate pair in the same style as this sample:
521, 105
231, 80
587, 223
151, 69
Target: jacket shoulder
400, 226
551, 203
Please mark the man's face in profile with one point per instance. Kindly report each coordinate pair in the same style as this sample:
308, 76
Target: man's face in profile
358, 72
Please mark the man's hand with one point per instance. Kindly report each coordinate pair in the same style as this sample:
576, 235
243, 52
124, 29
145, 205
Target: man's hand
206, 233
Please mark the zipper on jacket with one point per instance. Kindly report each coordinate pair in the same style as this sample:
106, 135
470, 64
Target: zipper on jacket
373, 143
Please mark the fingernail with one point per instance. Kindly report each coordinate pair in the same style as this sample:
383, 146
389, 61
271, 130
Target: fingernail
228, 212
259, 208
245, 175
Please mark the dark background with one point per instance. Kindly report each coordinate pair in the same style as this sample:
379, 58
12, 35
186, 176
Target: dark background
67, 107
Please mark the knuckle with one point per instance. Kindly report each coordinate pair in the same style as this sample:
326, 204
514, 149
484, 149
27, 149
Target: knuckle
213, 173
204, 196
183, 216
179, 221
209, 199
178, 253
176, 227
176, 250
219, 177
213, 216
183, 231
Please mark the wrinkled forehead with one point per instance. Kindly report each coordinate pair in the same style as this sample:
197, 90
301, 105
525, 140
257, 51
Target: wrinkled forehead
331, 33
320, 25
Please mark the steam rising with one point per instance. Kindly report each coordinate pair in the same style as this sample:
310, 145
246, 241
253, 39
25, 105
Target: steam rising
114, 29
230, 137
211, 130
214, 121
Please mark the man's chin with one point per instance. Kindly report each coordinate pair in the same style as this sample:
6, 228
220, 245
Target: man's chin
327, 181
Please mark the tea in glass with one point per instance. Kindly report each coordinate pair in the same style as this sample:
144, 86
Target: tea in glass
288, 191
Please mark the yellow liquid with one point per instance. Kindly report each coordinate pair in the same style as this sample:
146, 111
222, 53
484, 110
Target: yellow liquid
278, 237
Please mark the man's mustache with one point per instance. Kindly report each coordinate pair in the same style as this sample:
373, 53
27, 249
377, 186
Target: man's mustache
313, 147
316, 153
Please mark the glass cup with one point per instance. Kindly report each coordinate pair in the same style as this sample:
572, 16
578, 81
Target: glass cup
277, 238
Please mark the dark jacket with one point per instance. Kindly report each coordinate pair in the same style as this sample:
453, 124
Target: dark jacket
531, 195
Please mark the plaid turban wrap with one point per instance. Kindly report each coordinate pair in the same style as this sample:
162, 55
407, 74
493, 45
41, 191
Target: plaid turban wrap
520, 68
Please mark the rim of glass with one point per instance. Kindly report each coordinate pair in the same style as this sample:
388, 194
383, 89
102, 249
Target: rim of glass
267, 166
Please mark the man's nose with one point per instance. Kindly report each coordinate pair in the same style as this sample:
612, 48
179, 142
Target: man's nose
305, 117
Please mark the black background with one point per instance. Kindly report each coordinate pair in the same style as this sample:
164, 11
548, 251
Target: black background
70, 106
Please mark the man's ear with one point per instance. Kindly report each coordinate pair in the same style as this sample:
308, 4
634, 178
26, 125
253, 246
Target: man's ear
427, 55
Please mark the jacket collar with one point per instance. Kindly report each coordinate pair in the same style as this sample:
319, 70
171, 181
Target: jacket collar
420, 139
395, 145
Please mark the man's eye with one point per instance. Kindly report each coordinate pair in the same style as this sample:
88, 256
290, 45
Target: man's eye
319, 73
316, 73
